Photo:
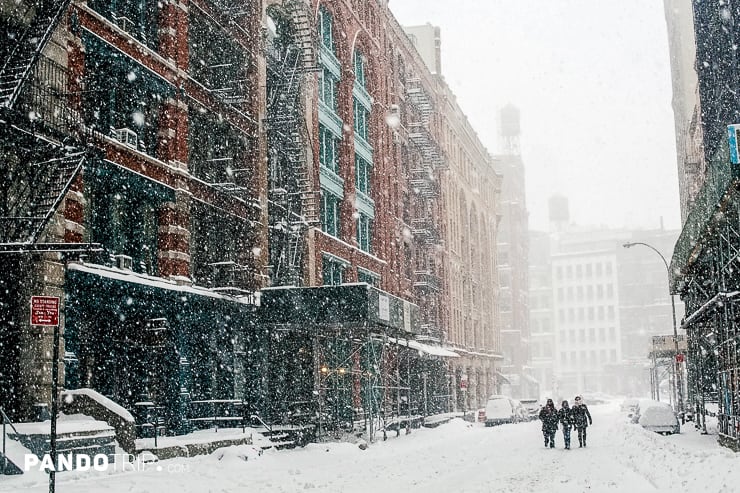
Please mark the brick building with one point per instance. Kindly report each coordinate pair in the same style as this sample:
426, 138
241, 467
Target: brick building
204, 184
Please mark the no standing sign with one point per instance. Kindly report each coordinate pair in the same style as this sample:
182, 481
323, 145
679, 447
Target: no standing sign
45, 310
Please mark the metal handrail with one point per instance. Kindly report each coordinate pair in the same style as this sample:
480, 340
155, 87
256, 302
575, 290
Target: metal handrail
6, 420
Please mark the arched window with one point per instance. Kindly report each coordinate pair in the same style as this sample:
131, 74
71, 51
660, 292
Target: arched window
326, 29
359, 65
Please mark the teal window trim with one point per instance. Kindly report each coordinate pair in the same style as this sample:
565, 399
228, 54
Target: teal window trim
332, 268
359, 67
363, 149
361, 120
368, 276
365, 204
331, 181
364, 232
331, 208
328, 60
326, 29
329, 89
362, 96
329, 119
363, 174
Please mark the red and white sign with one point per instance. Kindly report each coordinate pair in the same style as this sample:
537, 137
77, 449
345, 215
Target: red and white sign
45, 310
464, 382
680, 357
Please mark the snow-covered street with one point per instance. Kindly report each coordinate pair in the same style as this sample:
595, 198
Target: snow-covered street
458, 456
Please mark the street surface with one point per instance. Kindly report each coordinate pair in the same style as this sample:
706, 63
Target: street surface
456, 457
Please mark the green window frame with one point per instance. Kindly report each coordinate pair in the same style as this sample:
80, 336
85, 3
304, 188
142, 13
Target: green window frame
364, 232
328, 149
362, 120
332, 271
326, 29
328, 85
359, 64
363, 171
330, 213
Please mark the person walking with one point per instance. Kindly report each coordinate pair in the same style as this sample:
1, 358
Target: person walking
565, 416
581, 419
549, 418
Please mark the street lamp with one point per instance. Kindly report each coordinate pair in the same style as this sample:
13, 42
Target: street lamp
676, 363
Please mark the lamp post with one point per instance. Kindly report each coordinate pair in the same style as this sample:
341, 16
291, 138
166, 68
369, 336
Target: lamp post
677, 365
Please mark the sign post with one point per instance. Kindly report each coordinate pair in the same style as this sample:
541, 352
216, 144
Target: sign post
45, 312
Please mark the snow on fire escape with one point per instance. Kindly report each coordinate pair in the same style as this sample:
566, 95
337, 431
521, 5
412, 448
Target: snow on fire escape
291, 53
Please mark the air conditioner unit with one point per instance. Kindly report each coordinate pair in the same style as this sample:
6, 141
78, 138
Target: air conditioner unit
396, 137
123, 262
733, 139
127, 137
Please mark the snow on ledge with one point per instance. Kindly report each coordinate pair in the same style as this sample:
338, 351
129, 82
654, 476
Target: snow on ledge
103, 401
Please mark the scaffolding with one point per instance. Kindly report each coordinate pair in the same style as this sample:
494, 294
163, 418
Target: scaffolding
293, 204
705, 273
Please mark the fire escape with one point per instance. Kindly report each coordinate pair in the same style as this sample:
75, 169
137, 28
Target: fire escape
40, 168
232, 91
293, 205
425, 185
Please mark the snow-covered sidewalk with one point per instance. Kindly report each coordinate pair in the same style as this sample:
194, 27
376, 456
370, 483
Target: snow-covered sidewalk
457, 456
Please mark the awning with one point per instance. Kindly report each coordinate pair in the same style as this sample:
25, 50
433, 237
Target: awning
502, 378
425, 348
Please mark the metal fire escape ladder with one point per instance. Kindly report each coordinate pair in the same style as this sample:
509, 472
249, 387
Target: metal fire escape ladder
287, 134
19, 64
35, 197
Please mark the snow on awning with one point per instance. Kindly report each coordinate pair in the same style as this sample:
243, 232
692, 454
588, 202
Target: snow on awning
425, 348
704, 309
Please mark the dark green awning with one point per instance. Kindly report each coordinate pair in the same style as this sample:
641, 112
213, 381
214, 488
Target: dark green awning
346, 305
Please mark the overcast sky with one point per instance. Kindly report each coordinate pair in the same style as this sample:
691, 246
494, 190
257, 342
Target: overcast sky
592, 81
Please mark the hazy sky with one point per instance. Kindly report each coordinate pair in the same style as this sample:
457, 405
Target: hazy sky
592, 81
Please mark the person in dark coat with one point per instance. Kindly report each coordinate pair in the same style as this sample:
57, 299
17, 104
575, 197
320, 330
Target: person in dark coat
581, 419
566, 419
549, 418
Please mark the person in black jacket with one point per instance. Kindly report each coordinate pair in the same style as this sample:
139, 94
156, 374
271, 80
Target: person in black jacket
566, 419
549, 418
581, 419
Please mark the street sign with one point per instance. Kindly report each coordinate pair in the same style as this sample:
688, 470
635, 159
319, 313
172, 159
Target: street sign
45, 310
464, 381
680, 358
665, 343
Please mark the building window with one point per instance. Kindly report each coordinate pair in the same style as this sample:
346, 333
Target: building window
332, 270
359, 63
330, 213
140, 19
326, 29
129, 109
363, 169
364, 232
328, 149
124, 218
368, 277
328, 89
362, 120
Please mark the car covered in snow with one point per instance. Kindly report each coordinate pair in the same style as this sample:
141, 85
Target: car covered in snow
501, 409
660, 419
532, 408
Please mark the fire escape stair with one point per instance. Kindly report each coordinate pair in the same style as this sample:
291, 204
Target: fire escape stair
20, 62
33, 201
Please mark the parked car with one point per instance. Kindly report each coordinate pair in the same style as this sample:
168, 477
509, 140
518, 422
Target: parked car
660, 419
500, 409
532, 408
520, 414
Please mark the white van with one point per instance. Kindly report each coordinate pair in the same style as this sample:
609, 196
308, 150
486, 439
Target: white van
500, 409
